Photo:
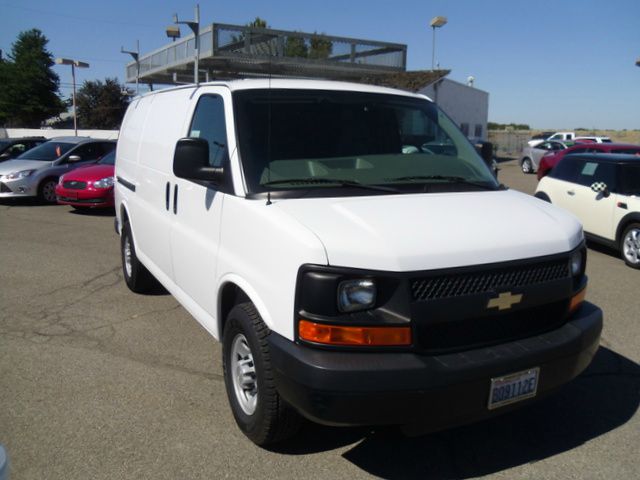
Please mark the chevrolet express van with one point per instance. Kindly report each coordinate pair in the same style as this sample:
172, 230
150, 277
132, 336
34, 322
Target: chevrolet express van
355, 256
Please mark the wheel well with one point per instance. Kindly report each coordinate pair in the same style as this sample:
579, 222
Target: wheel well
230, 296
542, 196
625, 222
54, 178
124, 216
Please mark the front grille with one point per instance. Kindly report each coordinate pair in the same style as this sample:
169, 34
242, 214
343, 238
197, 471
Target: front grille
4, 188
74, 185
500, 278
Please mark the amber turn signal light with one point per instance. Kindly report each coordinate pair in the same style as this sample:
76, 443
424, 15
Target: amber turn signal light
348, 335
577, 300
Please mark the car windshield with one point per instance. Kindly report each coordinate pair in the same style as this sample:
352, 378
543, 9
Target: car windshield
316, 139
108, 159
48, 151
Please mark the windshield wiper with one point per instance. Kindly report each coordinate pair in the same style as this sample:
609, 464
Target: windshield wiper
338, 181
446, 178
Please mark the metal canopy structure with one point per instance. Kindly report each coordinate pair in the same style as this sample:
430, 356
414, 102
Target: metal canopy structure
232, 51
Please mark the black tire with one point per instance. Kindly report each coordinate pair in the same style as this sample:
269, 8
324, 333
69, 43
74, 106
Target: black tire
271, 419
629, 253
527, 166
136, 276
47, 190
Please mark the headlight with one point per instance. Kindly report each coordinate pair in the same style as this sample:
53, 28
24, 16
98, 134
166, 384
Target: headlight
356, 295
577, 262
18, 175
105, 182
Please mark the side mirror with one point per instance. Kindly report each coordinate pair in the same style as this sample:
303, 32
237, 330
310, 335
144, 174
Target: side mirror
191, 161
74, 158
5, 156
601, 187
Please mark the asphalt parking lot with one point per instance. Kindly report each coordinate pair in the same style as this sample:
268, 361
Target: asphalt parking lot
97, 382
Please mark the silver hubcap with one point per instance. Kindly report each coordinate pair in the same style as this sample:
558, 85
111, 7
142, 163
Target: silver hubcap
526, 166
49, 192
631, 246
243, 374
127, 256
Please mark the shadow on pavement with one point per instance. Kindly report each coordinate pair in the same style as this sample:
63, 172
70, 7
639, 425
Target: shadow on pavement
94, 212
26, 202
603, 398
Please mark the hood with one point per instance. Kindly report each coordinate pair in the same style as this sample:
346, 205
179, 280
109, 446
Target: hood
90, 173
19, 165
430, 231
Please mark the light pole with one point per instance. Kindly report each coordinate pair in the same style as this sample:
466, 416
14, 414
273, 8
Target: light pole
135, 55
195, 28
74, 64
638, 62
436, 22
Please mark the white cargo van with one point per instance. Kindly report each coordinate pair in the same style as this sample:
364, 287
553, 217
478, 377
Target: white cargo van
356, 257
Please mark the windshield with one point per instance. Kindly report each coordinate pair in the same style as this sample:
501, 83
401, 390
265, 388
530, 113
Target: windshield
315, 139
108, 159
48, 151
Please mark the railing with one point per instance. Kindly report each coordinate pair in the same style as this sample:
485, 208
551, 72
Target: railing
228, 42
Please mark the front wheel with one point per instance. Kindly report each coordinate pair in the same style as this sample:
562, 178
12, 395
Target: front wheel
527, 166
136, 276
630, 245
257, 407
47, 190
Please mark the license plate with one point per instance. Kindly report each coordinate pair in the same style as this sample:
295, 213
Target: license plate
513, 388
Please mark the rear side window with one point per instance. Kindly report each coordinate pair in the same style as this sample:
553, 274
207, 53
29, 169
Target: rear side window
209, 124
592, 172
632, 151
630, 180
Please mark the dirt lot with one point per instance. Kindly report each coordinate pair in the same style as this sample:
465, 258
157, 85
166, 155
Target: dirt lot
97, 382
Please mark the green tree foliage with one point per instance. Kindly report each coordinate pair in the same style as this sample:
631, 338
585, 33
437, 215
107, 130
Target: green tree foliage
510, 126
29, 93
320, 48
101, 104
296, 47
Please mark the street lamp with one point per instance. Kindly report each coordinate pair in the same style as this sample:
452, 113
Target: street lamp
436, 22
638, 62
195, 28
74, 64
136, 58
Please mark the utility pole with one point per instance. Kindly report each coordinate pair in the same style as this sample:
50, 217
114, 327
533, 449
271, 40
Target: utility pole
74, 64
195, 28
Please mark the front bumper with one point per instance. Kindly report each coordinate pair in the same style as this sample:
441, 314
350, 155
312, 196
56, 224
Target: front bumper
90, 197
22, 187
434, 392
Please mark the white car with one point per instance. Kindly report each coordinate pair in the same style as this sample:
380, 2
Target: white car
594, 139
354, 254
603, 191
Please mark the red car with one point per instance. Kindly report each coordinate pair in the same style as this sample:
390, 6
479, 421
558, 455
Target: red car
90, 186
549, 160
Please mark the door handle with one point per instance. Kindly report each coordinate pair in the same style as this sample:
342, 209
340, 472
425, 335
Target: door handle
571, 192
175, 199
167, 195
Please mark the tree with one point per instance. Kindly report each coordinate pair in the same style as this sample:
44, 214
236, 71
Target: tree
101, 105
30, 87
321, 48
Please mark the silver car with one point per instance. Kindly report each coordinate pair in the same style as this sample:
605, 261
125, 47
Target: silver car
36, 172
531, 156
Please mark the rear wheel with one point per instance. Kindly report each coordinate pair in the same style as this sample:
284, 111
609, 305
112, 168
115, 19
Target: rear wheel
136, 276
47, 190
257, 407
630, 245
527, 165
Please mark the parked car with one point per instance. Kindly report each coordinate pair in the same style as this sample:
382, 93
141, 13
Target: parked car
551, 159
349, 282
530, 157
558, 137
603, 191
89, 186
593, 139
13, 147
36, 172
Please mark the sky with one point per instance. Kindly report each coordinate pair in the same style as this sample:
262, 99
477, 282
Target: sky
550, 64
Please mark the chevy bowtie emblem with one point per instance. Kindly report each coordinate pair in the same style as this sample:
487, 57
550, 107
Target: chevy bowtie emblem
504, 301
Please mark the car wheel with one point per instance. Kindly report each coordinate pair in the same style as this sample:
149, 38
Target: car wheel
47, 190
630, 245
136, 276
527, 166
257, 407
